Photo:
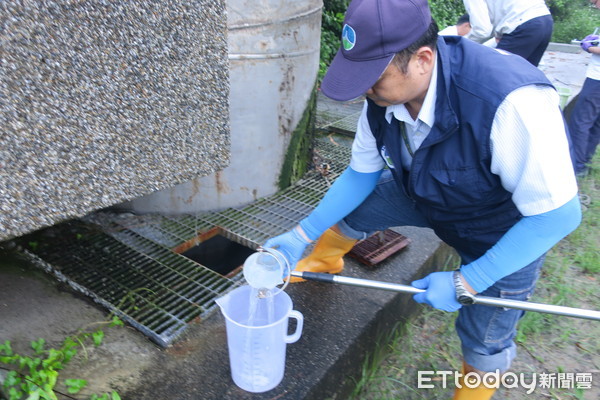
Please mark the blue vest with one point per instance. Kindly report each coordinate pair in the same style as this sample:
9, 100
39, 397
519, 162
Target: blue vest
450, 178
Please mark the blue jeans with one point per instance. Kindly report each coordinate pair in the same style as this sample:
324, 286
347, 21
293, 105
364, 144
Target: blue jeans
486, 332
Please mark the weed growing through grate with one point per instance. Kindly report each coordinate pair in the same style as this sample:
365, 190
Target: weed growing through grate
35, 377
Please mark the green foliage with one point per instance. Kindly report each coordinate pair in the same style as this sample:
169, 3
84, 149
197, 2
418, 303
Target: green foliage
330, 43
331, 31
34, 377
559, 8
446, 12
562, 8
575, 21
106, 396
583, 243
75, 385
336, 6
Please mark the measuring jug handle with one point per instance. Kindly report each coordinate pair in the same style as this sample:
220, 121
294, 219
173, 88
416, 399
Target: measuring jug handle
293, 338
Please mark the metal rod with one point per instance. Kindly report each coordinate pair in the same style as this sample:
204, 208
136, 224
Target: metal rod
484, 300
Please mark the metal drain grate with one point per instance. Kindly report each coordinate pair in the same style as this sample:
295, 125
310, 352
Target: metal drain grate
338, 117
251, 225
345, 125
130, 265
152, 288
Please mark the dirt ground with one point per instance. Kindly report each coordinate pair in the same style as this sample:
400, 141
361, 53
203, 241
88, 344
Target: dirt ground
25, 318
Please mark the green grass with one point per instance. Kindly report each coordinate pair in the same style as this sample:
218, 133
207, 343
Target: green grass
546, 343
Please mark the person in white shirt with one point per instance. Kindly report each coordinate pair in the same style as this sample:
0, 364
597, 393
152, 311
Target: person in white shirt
462, 27
584, 124
522, 27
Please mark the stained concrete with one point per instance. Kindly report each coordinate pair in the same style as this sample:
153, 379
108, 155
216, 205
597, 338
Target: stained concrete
565, 66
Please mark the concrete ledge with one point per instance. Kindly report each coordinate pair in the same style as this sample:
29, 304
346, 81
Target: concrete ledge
564, 47
343, 325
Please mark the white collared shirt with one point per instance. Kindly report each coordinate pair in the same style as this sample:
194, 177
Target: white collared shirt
365, 156
593, 69
451, 30
494, 18
528, 140
416, 130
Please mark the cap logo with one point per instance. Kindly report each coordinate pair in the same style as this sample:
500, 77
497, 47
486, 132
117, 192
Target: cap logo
348, 37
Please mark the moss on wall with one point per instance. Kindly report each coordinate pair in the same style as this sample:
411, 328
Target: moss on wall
298, 156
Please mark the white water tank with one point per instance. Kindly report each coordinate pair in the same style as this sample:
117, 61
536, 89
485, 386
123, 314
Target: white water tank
273, 60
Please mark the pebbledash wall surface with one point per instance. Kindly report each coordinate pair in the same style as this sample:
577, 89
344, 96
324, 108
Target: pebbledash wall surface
104, 101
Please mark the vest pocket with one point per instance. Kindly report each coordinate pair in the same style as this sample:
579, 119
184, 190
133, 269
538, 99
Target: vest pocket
455, 188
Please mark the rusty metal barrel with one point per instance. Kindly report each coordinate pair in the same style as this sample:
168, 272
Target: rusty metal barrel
273, 50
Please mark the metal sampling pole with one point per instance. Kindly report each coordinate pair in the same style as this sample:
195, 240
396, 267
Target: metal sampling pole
484, 300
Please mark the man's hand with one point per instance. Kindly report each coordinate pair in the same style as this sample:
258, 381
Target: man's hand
291, 244
590, 41
440, 292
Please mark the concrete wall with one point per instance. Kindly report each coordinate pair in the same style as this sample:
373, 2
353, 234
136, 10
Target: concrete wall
105, 101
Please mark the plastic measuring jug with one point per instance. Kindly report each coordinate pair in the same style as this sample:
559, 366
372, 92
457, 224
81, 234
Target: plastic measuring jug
265, 269
257, 335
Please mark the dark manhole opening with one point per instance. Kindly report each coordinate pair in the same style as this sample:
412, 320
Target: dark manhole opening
218, 253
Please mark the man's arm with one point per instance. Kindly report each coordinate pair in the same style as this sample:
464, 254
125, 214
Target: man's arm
590, 44
346, 193
479, 17
525, 242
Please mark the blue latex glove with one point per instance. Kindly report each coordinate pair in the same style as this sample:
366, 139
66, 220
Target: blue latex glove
440, 292
291, 244
590, 41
